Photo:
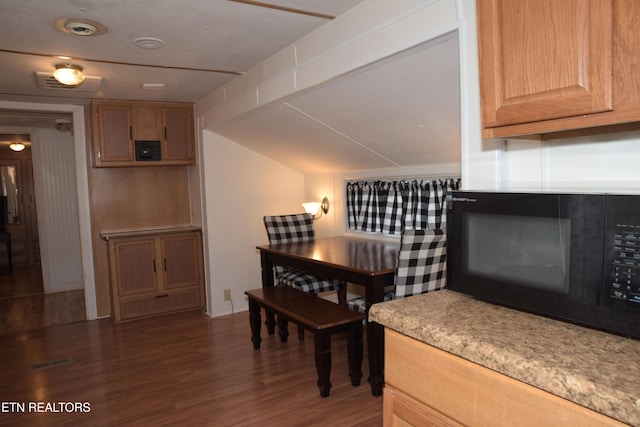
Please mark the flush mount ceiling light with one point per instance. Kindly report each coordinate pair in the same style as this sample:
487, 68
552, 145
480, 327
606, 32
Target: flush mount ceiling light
69, 74
17, 146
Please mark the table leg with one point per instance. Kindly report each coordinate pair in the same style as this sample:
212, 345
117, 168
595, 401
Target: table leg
266, 264
375, 347
375, 342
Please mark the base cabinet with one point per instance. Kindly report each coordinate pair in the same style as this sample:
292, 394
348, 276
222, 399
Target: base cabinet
426, 386
155, 274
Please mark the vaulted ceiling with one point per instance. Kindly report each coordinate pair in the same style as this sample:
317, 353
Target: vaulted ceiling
403, 111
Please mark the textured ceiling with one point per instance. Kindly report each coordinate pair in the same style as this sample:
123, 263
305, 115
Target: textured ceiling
206, 43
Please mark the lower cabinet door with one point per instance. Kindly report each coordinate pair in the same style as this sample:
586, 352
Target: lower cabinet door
134, 267
181, 260
401, 410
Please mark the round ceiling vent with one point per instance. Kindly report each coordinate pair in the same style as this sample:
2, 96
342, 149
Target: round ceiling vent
80, 27
64, 125
148, 43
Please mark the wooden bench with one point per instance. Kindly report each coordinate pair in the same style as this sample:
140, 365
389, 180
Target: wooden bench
323, 318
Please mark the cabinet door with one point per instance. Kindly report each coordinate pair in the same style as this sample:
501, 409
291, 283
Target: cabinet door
146, 122
135, 267
114, 139
178, 143
401, 410
182, 262
544, 59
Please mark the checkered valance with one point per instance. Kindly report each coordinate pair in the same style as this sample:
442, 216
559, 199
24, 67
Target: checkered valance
389, 207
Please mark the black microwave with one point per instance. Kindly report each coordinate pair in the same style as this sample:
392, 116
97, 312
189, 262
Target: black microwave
572, 257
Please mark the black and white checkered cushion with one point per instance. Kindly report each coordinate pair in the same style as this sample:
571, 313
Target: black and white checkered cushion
290, 228
296, 228
360, 305
306, 282
421, 266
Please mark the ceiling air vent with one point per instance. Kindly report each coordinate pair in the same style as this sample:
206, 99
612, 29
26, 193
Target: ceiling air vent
46, 81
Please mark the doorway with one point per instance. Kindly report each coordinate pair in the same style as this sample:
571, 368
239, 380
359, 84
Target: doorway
23, 302
81, 191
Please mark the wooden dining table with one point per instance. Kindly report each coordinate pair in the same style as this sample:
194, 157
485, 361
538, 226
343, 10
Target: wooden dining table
364, 262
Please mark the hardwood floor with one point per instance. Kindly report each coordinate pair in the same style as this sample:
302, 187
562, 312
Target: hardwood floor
178, 369
25, 280
24, 306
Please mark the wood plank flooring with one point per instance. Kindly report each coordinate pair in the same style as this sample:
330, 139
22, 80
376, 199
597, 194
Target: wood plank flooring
24, 306
25, 280
178, 369
38, 311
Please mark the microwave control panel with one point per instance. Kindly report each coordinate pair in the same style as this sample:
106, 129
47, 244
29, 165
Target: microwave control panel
622, 252
624, 280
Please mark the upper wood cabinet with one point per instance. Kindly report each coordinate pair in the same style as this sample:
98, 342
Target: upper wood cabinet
117, 125
548, 66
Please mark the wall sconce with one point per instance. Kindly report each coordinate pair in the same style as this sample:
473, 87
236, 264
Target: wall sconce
317, 208
69, 74
17, 146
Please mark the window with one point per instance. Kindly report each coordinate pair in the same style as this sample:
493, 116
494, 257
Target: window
388, 207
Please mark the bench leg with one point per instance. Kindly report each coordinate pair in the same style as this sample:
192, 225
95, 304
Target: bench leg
270, 322
323, 361
283, 328
300, 333
355, 349
255, 321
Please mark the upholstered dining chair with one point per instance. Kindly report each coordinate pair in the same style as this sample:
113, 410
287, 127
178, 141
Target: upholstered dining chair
420, 268
299, 228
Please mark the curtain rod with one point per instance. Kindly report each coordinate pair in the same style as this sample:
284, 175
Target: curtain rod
401, 178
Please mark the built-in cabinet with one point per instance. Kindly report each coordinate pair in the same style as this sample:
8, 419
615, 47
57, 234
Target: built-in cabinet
155, 271
548, 66
428, 386
120, 128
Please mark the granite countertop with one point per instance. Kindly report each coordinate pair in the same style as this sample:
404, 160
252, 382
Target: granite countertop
595, 369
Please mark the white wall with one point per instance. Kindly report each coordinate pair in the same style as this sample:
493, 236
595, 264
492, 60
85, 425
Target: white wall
241, 187
599, 163
371, 31
55, 186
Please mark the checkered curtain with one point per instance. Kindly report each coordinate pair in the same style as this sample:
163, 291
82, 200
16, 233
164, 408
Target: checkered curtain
389, 207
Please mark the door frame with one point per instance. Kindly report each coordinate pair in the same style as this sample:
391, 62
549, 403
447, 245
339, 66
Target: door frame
82, 191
